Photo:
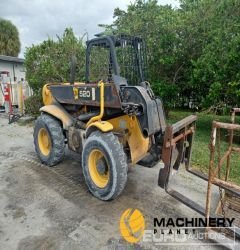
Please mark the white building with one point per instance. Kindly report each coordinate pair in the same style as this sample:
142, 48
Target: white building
13, 65
14, 68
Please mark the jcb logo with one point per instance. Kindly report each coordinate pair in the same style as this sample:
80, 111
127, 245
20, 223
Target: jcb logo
84, 93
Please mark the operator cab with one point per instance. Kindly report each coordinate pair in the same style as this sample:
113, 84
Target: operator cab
121, 60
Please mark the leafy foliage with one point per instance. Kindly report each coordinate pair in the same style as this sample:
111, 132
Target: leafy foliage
9, 39
193, 50
50, 60
33, 104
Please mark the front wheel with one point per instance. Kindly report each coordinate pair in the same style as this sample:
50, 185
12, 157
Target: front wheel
104, 165
49, 140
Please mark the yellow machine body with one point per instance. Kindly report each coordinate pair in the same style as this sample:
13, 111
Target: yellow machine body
129, 128
123, 108
47, 95
126, 126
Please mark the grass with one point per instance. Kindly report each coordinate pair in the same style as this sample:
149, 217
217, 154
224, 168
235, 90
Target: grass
201, 152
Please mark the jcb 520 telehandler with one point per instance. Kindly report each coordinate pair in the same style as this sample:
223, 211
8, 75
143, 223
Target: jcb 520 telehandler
113, 119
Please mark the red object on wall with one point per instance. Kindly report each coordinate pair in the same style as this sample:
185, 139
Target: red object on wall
6, 91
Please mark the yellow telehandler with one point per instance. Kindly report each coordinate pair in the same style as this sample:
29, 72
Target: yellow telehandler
113, 119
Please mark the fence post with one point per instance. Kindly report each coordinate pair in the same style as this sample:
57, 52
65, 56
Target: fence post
20, 97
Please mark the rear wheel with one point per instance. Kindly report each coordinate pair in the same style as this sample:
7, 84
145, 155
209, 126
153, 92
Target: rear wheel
49, 140
104, 165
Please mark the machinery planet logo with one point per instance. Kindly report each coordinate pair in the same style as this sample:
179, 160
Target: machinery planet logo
132, 225
175, 231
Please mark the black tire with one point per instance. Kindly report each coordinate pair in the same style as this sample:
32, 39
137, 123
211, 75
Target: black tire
55, 132
116, 160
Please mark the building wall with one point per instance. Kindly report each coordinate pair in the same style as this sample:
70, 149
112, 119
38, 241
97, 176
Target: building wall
16, 70
17, 76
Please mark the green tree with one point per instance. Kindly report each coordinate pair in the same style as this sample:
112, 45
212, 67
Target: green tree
158, 26
193, 51
9, 39
218, 60
50, 60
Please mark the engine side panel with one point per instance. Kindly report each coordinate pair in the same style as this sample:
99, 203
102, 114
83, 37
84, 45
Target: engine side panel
86, 94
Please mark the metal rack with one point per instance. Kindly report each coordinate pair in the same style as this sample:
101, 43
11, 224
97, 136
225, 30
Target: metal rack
177, 135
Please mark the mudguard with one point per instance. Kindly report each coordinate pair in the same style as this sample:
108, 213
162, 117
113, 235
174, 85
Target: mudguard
60, 113
103, 126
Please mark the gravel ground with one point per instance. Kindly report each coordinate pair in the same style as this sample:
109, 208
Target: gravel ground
51, 208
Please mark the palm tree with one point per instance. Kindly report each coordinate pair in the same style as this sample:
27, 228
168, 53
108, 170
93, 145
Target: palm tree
9, 39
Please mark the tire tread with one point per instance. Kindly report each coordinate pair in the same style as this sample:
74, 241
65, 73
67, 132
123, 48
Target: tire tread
57, 137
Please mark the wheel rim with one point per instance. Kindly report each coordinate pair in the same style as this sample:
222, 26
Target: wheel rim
98, 168
44, 141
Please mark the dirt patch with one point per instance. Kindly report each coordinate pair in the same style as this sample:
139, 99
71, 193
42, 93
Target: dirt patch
51, 208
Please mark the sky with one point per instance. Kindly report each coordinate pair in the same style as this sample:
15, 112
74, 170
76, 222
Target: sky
37, 20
